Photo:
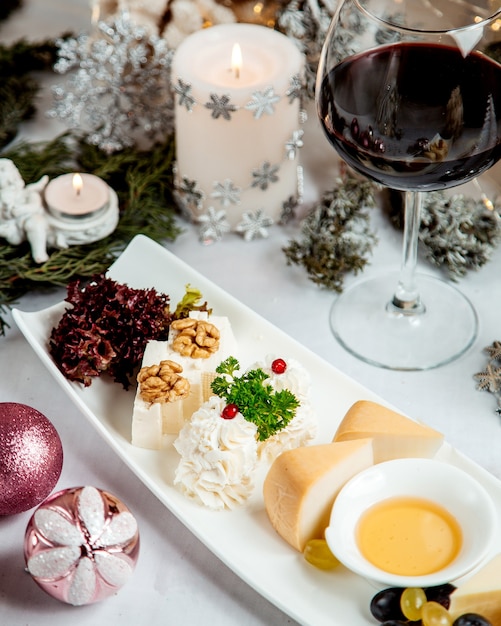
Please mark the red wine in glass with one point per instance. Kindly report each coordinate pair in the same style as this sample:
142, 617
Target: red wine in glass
436, 121
407, 96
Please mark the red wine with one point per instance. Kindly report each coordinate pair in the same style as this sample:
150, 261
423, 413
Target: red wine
414, 116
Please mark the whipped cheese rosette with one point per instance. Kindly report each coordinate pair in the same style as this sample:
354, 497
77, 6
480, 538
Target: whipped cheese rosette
288, 374
285, 373
218, 456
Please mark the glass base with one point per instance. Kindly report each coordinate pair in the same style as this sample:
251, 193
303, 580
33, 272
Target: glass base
371, 329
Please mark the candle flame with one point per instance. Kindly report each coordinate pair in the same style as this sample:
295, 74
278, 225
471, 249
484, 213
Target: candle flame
236, 60
77, 183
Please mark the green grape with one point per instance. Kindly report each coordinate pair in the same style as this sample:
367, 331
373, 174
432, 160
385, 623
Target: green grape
412, 602
434, 614
317, 553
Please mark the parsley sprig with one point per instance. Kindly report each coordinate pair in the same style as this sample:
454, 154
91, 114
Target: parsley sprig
258, 402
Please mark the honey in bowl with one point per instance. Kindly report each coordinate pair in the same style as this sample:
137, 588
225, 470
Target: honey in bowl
408, 536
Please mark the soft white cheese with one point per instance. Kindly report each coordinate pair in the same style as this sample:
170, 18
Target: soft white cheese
218, 457
151, 421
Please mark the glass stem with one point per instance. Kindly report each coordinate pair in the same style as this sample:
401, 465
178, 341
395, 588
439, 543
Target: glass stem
406, 299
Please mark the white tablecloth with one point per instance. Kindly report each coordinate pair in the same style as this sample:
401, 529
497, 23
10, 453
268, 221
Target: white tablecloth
177, 580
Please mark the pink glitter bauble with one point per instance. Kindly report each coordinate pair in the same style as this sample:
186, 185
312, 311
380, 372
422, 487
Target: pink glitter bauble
31, 457
81, 545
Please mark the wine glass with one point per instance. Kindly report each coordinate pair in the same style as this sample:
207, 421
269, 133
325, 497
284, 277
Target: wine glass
408, 97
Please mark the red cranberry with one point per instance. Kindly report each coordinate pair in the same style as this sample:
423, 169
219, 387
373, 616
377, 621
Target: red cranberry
229, 412
278, 366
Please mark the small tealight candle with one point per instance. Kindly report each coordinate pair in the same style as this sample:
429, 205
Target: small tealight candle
77, 196
237, 120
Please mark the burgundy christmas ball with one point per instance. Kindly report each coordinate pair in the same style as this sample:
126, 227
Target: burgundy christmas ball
31, 457
81, 545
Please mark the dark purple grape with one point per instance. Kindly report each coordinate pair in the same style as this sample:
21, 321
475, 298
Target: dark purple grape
471, 619
440, 594
396, 622
385, 605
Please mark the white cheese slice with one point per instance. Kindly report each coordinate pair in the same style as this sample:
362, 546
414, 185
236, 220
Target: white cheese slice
394, 435
302, 484
480, 594
151, 421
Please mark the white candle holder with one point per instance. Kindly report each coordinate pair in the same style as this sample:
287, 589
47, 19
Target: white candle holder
87, 228
238, 133
25, 215
80, 212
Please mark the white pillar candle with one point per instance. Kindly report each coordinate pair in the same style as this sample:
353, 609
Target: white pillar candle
237, 130
76, 196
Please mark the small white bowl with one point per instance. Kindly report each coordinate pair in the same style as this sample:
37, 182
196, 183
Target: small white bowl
446, 485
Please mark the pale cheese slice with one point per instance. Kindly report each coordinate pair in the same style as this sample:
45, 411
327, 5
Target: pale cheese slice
394, 435
302, 484
151, 421
480, 594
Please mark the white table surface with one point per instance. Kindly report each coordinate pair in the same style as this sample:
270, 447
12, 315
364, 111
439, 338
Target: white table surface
177, 580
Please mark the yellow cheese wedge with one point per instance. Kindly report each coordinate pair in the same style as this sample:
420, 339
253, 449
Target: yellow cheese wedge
302, 484
480, 594
394, 435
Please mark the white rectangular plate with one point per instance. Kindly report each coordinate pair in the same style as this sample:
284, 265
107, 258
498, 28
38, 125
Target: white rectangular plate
243, 539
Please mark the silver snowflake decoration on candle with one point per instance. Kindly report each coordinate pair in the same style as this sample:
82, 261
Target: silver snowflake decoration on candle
263, 102
120, 85
254, 225
183, 90
226, 193
293, 144
295, 90
288, 210
220, 106
213, 225
265, 175
190, 194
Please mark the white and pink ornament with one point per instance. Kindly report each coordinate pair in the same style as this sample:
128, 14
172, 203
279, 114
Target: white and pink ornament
81, 545
31, 457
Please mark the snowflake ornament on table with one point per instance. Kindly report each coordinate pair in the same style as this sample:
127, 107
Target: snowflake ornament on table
120, 85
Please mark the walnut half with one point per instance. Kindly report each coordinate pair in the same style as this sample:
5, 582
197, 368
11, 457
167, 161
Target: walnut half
163, 382
198, 339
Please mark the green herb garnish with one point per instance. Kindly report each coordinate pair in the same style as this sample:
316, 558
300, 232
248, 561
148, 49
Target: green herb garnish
189, 303
257, 401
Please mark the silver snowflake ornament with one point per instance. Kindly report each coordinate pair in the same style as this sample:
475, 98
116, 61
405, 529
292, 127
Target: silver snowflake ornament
263, 102
119, 85
288, 210
295, 90
254, 225
191, 194
226, 193
293, 144
220, 106
213, 226
183, 90
264, 176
